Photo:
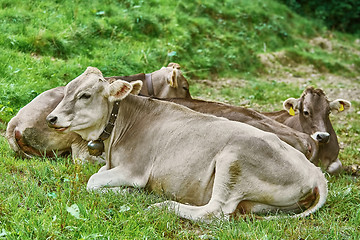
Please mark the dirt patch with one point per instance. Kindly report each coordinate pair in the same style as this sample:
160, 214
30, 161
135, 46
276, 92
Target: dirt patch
353, 170
281, 68
224, 82
323, 43
333, 85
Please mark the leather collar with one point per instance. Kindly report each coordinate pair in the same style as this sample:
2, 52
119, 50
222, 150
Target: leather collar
96, 148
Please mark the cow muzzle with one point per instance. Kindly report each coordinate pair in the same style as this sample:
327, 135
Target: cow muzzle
321, 137
51, 120
52, 123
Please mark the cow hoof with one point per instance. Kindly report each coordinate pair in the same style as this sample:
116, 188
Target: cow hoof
335, 167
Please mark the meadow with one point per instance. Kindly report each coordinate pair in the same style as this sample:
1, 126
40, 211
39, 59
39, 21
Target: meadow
247, 53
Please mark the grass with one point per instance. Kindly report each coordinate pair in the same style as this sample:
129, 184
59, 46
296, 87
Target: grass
48, 44
36, 194
45, 44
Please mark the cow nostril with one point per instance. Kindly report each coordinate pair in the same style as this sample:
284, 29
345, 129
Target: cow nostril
51, 120
323, 137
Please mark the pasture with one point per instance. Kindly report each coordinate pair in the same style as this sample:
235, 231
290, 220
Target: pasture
247, 53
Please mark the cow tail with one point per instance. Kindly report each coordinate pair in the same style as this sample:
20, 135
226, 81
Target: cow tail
14, 137
10, 136
321, 192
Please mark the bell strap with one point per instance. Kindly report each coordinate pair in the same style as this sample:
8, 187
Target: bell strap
111, 123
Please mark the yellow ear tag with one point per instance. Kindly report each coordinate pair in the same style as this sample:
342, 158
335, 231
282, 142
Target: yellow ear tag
291, 111
341, 108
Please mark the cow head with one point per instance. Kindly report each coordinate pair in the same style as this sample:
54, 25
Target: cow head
87, 103
170, 82
313, 109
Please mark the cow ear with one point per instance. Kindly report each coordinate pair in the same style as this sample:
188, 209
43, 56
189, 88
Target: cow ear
174, 65
119, 90
339, 105
172, 78
291, 105
136, 87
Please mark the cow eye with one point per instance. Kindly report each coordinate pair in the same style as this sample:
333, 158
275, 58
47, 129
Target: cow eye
186, 89
85, 96
306, 113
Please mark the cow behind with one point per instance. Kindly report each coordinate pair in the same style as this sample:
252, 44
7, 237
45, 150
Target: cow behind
310, 114
298, 140
209, 166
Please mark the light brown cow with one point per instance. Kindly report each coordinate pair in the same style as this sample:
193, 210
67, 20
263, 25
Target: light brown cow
310, 114
209, 166
29, 135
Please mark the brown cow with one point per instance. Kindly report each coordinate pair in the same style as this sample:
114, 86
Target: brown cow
310, 114
299, 140
29, 135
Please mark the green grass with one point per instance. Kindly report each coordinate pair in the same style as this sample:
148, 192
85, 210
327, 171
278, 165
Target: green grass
35, 195
45, 44
254, 93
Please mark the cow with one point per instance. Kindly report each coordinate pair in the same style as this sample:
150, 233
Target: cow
301, 141
310, 114
207, 166
28, 134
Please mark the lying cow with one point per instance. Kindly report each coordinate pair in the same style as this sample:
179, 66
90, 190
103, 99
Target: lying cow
310, 114
29, 135
209, 166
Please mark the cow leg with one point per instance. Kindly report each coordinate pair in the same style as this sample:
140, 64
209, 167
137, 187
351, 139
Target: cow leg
113, 179
194, 213
335, 167
223, 201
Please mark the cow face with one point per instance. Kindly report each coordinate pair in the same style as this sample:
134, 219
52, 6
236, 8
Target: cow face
87, 103
172, 84
313, 109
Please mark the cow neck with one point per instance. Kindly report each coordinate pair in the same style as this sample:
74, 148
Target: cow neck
96, 148
149, 84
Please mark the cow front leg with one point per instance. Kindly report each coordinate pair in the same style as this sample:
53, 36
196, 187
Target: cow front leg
113, 179
223, 199
335, 167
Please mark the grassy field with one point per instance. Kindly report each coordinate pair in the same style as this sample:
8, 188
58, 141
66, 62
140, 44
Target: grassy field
250, 53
